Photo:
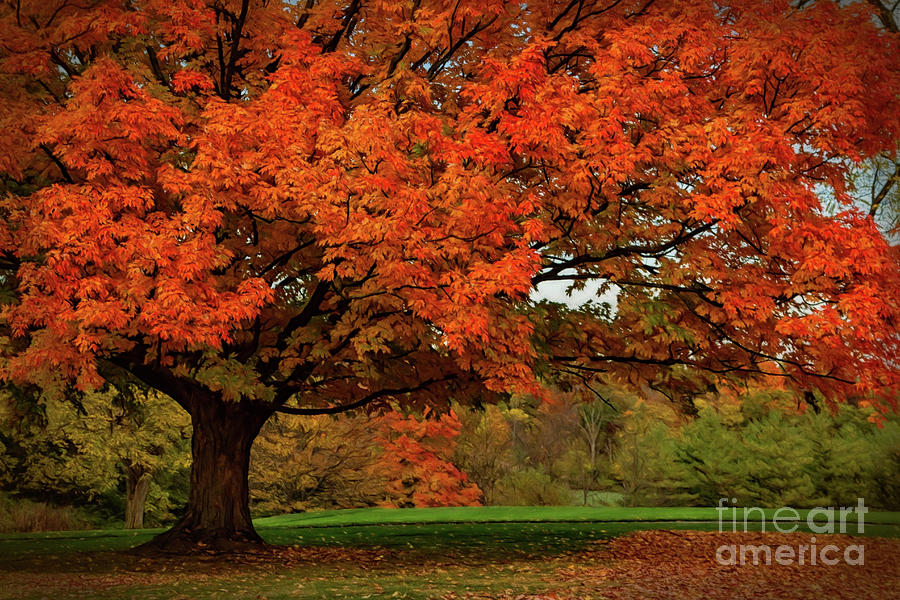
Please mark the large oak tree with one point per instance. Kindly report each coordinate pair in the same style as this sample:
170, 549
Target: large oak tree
307, 206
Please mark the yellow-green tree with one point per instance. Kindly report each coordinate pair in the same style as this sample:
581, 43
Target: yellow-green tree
484, 447
72, 444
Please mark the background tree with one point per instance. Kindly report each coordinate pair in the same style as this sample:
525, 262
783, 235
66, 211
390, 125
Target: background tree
484, 447
326, 461
541, 437
84, 446
306, 207
643, 459
352, 460
596, 424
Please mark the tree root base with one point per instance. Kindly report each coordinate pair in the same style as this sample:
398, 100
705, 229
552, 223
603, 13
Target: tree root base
184, 541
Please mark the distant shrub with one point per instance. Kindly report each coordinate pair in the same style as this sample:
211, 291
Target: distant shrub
21, 515
885, 473
532, 487
600, 498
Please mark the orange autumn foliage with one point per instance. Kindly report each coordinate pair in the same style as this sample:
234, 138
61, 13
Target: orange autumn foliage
416, 453
187, 175
258, 206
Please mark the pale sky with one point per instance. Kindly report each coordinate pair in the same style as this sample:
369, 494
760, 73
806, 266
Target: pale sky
555, 291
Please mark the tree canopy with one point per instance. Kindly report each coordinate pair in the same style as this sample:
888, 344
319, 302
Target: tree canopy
310, 206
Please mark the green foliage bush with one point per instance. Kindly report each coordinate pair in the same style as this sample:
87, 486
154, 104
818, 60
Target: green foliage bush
769, 458
884, 482
763, 463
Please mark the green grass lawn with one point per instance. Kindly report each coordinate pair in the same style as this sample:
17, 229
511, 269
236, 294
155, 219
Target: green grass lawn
426, 552
517, 528
523, 514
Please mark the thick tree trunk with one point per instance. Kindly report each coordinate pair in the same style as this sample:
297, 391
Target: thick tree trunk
218, 510
137, 484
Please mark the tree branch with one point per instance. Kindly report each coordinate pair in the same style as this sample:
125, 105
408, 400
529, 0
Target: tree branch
59, 164
330, 410
236, 30
303, 318
883, 192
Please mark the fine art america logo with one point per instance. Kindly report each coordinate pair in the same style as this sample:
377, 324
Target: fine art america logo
787, 520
